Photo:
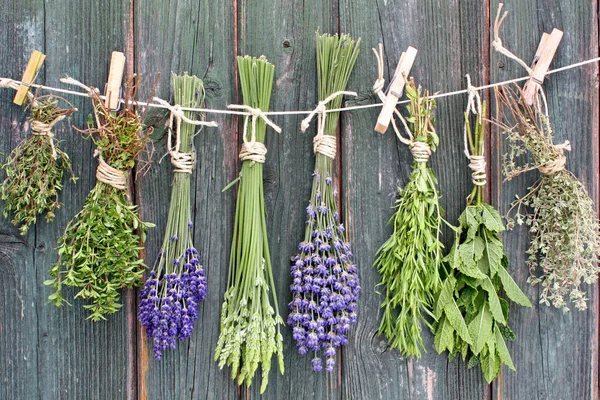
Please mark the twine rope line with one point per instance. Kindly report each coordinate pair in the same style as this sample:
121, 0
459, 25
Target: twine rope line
41, 129
477, 163
322, 143
183, 162
558, 164
251, 149
109, 175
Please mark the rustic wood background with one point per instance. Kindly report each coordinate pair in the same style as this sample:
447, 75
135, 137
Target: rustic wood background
51, 353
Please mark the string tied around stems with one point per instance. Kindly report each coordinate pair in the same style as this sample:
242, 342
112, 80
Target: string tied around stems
109, 175
322, 143
477, 163
252, 149
558, 164
183, 162
421, 151
41, 129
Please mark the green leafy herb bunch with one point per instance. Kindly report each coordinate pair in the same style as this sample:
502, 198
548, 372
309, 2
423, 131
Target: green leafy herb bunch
557, 209
250, 321
471, 314
409, 261
35, 168
99, 252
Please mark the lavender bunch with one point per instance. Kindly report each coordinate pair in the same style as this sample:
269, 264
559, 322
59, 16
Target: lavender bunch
173, 290
325, 284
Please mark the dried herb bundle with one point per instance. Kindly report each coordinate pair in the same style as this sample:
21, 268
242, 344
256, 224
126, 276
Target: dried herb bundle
409, 261
35, 168
471, 315
99, 253
250, 333
171, 294
325, 284
557, 209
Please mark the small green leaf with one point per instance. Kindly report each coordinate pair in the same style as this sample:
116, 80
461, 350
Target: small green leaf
512, 289
480, 329
503, 350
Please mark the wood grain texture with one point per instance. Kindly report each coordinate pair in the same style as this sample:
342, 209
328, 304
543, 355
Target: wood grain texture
556, 354
195, 37
445, 33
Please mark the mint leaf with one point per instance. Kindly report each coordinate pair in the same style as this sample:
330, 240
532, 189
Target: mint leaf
512, 289
502, 349
494, 301
444, 337
491, 218
480, 329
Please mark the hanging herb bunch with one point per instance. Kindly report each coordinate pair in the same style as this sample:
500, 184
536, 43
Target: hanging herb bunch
325, 284
171, 294
35, 168
250, 333
99, 252
471, 314
557, 209
409, 261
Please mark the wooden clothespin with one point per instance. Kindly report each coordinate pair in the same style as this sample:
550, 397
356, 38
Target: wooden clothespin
33, 66
115, 77
395, 89
541, 63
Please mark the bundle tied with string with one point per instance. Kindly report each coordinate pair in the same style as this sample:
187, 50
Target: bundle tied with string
557, 210
35, 168
99, 252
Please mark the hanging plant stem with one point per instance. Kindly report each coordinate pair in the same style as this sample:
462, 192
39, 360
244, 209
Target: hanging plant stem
409, 261
325, 284
250, 325
99, 253
35, 168
177, 284
557, 209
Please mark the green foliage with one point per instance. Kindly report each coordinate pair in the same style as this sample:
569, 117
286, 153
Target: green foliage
34, 176
99, 252
250, 333
557, 210
409, 260
471, 314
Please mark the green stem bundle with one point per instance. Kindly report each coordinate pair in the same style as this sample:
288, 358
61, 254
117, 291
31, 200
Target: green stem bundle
471, 314
35, 168
558, 211
99, 253
250, 325
409, 260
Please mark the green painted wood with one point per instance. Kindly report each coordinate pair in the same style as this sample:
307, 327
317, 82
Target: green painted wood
556, 354
196, 37
374, 165
47, 352
287, 39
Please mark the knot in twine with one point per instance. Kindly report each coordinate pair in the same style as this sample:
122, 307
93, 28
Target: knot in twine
109, 175
380, 81
558, 164
477, 164
251, 149
420, 151
183, 162
41, 129
322, 143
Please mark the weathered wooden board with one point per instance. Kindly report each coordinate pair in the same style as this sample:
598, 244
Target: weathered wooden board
50, 353
556, 354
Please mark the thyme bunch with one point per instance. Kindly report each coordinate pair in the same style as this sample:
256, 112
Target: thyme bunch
249, 332
177, 284
325, 284
99, 252
471, 314
409, 261
35, 168
557, 209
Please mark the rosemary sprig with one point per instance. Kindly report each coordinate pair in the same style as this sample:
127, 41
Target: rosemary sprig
171, 294
471, 314
409, 260
558, 211
99, 253
325, 285
250, 333
35, 169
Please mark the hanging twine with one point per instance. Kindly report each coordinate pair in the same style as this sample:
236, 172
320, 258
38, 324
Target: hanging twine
322, 143
109, 175
558, 164
251, 149
476, 163
183, 162
419, 150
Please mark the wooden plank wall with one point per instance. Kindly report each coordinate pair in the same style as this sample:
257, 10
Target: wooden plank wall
54, 353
